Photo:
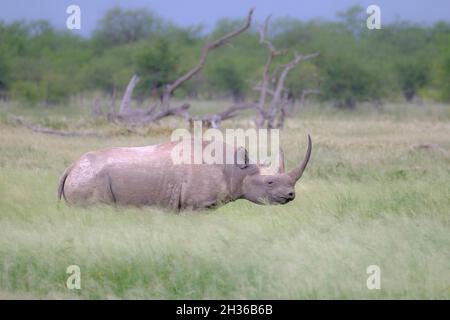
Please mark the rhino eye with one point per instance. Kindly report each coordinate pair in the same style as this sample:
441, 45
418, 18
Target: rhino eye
270, 182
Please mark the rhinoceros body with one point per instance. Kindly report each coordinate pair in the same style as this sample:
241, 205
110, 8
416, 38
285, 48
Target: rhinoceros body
147, 176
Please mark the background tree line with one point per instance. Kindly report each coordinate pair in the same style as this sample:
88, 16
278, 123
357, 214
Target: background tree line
403, 60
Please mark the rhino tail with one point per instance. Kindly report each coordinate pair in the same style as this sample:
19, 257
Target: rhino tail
62, 181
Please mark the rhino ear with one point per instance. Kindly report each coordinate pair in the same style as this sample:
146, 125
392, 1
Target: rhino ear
242, 160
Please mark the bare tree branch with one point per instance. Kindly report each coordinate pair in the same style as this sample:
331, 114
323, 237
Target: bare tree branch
181, 111
266, 73
280, 84
126, 100
283, 110
233, 111
204, 54
263, 39
20, 121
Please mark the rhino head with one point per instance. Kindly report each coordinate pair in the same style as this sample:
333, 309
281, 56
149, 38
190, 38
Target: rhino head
263, 186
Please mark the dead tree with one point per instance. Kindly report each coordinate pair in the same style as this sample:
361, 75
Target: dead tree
164, 108
270, 110
272, 106
273, 99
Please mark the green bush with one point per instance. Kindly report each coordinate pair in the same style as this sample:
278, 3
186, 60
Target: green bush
40, 63
29, 91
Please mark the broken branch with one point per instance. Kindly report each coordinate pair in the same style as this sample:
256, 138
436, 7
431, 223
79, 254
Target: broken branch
204, 54
20, 121
126, 100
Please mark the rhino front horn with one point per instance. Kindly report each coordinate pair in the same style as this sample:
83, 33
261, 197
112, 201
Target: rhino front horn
297, 172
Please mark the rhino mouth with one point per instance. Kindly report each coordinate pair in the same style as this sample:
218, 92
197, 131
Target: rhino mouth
274, 200
282, 200
286, 200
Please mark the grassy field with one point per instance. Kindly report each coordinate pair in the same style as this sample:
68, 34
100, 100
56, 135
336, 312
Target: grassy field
368, 197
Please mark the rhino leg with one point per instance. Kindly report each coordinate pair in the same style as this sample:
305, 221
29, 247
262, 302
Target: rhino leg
103, 189
97, 189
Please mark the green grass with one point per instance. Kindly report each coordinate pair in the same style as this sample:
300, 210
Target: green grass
368, 197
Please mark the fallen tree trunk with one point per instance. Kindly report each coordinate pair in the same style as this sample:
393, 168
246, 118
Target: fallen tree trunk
20, 121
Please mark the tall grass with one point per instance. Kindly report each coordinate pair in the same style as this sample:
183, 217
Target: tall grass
368, 197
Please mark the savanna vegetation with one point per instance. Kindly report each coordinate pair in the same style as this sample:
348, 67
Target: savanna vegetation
403, 60
376, 191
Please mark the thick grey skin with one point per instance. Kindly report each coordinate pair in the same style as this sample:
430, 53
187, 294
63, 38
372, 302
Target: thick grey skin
146, 176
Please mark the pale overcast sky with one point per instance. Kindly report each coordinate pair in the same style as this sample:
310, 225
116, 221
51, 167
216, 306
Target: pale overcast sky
190, 12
